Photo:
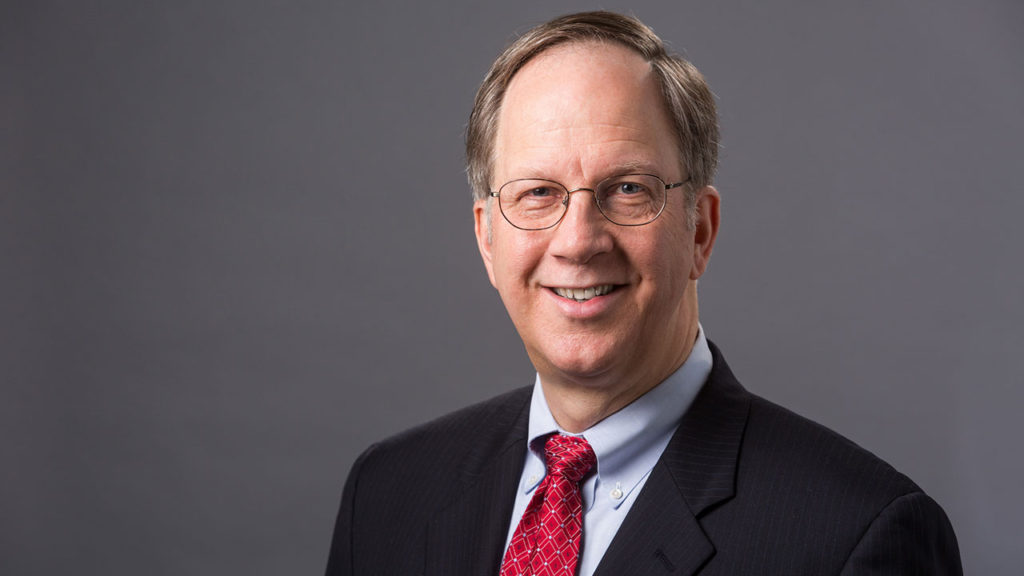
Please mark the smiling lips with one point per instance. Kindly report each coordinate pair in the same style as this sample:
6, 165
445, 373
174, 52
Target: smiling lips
584, 294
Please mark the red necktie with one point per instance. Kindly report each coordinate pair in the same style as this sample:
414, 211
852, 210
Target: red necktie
547, 540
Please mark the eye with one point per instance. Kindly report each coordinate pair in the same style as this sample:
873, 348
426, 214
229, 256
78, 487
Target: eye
539, 192
626, 188
629, 188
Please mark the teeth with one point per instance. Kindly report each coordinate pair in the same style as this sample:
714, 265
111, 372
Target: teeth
583, 294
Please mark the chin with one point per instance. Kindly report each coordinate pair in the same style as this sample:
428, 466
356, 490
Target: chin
583, 366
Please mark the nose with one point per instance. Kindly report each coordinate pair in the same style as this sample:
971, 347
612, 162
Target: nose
583, 231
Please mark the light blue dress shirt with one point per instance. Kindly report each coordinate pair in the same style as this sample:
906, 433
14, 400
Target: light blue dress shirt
628, 444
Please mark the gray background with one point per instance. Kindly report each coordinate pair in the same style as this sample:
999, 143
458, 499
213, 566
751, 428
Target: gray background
236, 248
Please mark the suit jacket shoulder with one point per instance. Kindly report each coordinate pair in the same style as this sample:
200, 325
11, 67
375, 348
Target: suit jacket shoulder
464, 441
405, 495
752, 488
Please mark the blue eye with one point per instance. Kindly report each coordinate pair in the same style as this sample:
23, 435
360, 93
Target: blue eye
630, 189
539, 192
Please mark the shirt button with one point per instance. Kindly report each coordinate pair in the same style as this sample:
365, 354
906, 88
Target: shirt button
533, 479
616, 493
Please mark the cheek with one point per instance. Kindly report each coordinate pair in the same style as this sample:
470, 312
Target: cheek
515, 259
666, 260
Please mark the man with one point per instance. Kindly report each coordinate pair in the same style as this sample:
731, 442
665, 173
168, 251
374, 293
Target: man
591, 153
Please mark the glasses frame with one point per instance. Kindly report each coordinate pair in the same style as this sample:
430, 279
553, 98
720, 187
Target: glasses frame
593, 191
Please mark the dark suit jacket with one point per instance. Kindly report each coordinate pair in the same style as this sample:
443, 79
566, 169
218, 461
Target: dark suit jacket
744, 487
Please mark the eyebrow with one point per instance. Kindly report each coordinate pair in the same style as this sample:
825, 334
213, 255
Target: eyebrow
628, 167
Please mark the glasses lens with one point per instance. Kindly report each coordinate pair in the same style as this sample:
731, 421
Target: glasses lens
631, 199
532, 204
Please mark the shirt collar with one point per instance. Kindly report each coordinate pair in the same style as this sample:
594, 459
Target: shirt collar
629, 442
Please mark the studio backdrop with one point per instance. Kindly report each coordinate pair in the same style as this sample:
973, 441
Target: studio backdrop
236, 248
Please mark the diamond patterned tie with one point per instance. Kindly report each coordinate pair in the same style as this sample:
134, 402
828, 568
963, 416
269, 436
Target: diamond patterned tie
547, 540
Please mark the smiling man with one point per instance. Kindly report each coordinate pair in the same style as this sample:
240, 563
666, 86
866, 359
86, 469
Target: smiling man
591, 153
600, 283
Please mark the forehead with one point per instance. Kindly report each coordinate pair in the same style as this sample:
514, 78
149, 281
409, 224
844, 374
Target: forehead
582, 106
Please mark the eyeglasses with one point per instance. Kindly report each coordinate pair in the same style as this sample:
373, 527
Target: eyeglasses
626, 200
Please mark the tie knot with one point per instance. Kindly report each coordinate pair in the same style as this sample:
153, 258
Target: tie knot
570, 457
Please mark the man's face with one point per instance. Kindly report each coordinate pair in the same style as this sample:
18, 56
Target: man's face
577, 114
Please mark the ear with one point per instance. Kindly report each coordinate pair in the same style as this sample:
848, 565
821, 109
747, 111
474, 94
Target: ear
482, 227
705, 230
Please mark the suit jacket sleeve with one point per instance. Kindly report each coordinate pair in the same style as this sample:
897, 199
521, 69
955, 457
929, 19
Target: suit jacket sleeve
912, 535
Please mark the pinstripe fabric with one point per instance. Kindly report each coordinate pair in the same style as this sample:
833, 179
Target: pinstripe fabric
744, 487
397, 514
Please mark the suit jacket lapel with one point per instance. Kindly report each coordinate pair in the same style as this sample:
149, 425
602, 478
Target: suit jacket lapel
659, 535
468, 536
662, 532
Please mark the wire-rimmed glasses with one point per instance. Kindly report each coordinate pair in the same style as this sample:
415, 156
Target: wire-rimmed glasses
626, 200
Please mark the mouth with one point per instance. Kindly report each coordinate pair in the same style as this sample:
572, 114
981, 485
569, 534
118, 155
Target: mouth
584, 294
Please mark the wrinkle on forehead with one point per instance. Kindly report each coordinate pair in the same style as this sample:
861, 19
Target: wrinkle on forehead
546, 156
544, 164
